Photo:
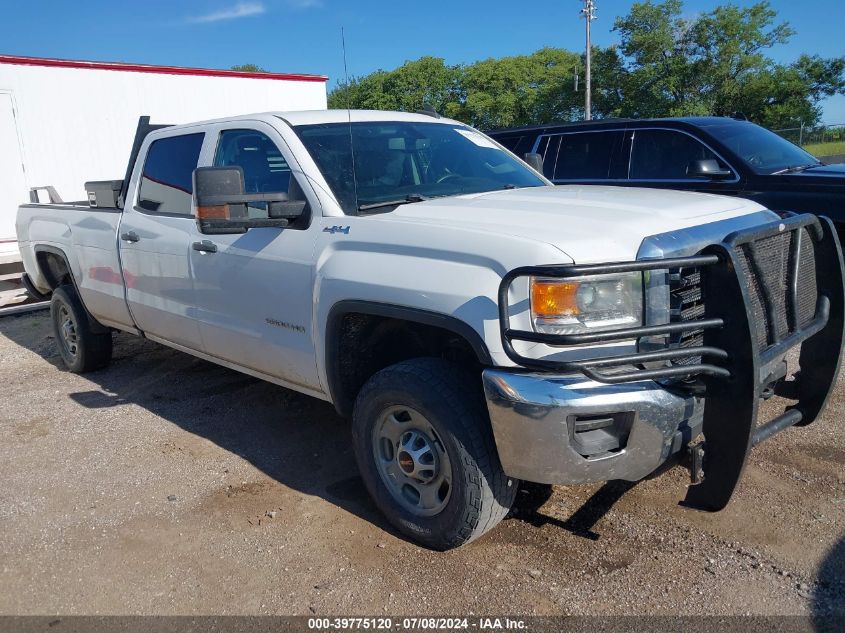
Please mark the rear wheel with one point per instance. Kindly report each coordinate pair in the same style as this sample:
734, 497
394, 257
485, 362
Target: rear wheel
426, 453
80, 347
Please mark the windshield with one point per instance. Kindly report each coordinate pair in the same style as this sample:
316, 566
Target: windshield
410, 161
763, 150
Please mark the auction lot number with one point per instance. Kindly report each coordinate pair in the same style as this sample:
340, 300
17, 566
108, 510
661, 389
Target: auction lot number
415, 624
386, 624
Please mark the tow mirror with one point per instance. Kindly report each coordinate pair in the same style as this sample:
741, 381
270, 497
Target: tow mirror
535, 161
707, 168
223, 207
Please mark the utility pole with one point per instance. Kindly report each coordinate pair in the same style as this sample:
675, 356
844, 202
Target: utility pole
589, 13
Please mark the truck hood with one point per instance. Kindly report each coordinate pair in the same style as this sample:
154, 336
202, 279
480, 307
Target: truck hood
587, 222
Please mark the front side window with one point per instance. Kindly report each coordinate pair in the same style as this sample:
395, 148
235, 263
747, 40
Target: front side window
167, 180
395, 160
579, 156
265, 169
667, 155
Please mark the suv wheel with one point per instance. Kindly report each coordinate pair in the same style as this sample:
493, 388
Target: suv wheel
426, 453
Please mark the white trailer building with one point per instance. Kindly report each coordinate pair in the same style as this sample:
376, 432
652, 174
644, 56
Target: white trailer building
65, 122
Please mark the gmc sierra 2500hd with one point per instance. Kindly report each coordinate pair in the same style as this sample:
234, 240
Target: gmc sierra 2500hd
479, 325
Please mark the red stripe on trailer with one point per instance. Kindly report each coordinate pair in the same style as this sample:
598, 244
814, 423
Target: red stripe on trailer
161, 70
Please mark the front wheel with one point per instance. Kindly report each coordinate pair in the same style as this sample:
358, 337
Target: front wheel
426, 453
80, 347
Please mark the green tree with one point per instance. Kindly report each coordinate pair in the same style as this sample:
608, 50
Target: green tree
426, 82
520, 90
665, 64
716, 63
490, 93
249, 68
608, 78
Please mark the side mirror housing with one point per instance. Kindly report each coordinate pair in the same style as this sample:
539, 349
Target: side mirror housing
707, 168
286, 210
222, 206
535, 161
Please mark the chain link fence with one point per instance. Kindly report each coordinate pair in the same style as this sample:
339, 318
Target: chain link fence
820, 140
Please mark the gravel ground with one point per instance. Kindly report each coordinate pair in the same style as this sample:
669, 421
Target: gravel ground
167, 485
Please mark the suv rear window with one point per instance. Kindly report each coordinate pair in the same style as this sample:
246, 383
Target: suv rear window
167, 180
519, 144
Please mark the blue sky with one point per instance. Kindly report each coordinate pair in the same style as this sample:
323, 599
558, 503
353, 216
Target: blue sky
304, 35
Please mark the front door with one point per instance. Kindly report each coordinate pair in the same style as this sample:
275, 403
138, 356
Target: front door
662, 158
253, 291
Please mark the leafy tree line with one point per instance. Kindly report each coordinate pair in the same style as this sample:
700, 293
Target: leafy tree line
249, 68
664, 64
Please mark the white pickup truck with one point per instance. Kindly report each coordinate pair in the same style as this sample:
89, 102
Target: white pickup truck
479, 325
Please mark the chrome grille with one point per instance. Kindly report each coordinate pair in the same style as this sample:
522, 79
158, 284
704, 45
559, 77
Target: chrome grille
686, 303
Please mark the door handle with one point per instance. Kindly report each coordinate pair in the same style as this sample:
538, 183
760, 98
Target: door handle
129, 236
204, 247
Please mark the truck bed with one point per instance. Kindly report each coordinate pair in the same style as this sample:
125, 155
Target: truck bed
76, 205
86, 240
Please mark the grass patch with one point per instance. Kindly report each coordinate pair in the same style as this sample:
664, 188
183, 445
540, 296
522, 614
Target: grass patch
826, 149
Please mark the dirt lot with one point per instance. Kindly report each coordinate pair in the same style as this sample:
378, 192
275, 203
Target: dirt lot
146, 487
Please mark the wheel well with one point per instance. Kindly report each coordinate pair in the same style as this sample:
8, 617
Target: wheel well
54, 268
359, 344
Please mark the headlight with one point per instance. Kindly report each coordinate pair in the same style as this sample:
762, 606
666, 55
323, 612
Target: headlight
582, 304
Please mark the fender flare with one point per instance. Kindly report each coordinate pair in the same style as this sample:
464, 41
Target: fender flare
53, 250
96, 326
387, 310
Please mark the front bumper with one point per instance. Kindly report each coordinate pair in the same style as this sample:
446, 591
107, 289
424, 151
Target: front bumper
759, 293
537, 420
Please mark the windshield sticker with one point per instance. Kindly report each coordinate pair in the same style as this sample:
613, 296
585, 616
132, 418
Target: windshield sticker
478, 139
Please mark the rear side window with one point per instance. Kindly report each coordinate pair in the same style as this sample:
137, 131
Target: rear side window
167, 179
579, 156
666, 155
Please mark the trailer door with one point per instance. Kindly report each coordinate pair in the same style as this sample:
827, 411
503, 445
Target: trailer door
13, 190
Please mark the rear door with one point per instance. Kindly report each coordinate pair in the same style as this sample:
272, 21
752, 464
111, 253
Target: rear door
155, 238
13, 189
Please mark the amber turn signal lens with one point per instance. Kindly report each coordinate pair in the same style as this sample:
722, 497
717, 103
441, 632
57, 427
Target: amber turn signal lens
554, 298
215, 212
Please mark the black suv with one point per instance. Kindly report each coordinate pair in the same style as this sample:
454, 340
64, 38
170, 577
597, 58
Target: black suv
709, 154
